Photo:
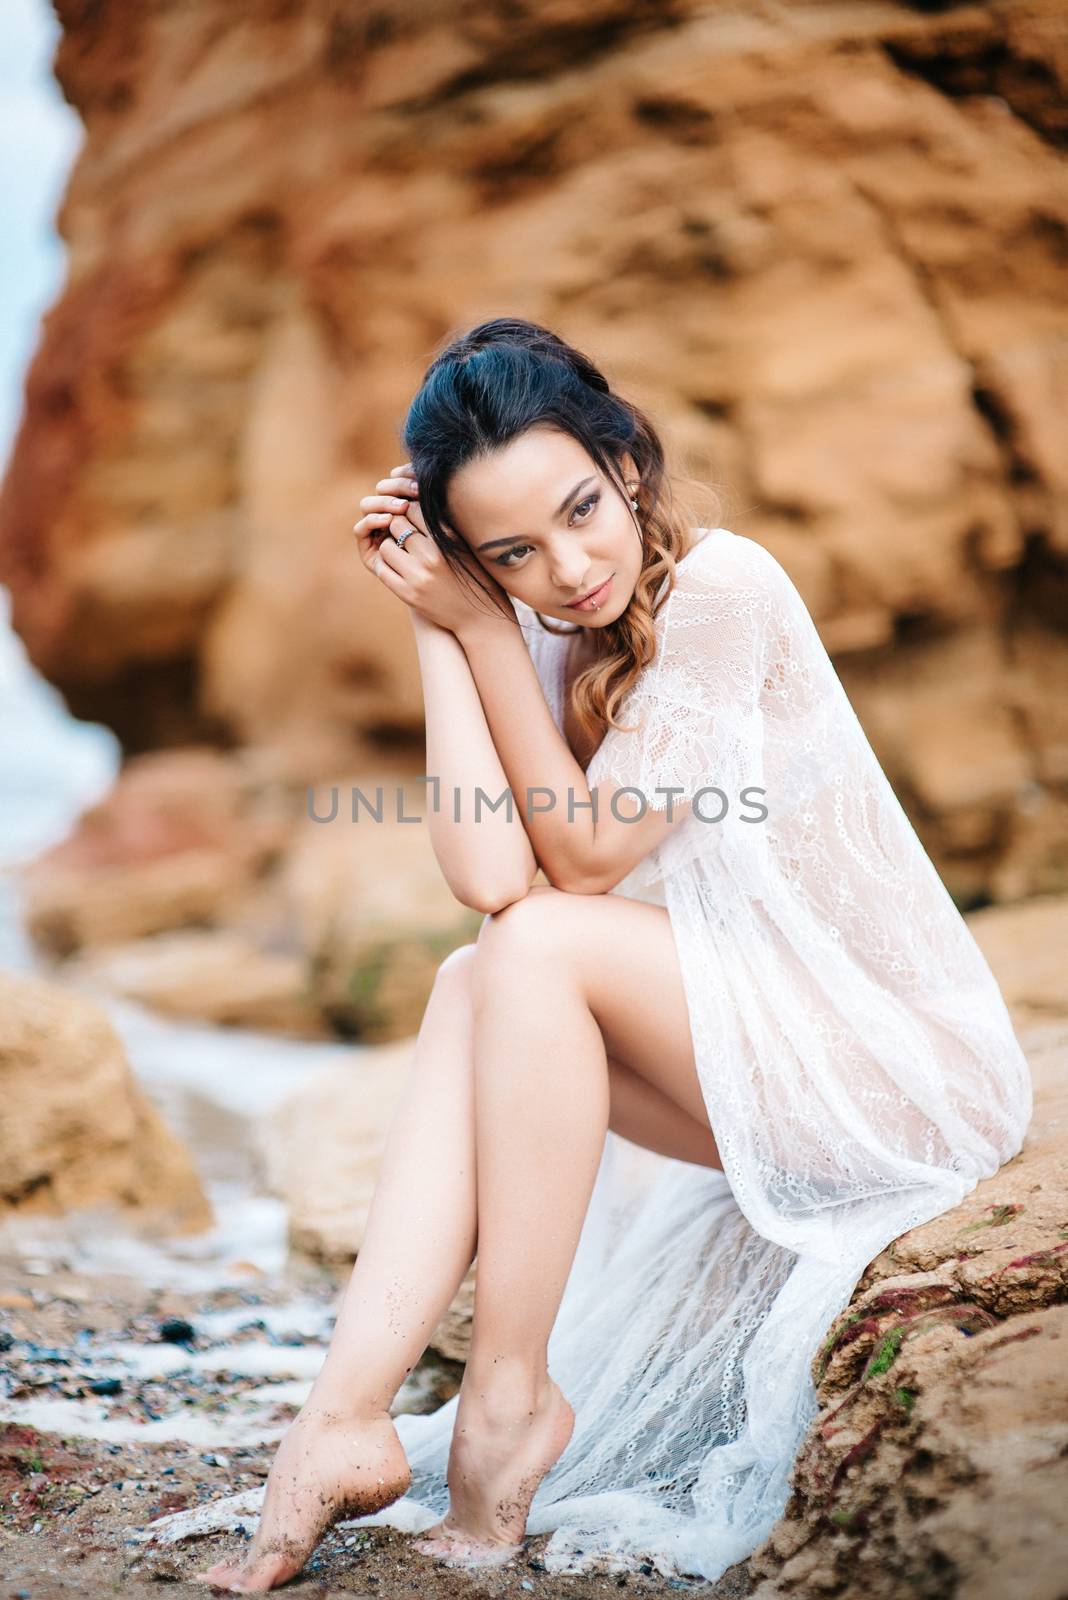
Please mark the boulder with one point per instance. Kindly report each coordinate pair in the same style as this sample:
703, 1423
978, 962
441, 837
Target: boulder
178, 841
76, 1128
369, 905
208, 975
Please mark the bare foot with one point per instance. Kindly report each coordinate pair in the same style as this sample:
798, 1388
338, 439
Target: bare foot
496, 1463
327, 1467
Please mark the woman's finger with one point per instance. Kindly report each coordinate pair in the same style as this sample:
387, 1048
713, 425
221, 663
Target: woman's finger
414, 513
384, 564
369, 530
386, 575
392, 503
402, 561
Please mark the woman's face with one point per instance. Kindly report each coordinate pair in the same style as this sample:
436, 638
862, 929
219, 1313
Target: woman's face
549, 526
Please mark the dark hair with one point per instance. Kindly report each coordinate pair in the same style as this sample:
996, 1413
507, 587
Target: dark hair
491, 384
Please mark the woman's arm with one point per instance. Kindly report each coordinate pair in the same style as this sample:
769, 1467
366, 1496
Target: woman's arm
577, 854
480, 684
487, 863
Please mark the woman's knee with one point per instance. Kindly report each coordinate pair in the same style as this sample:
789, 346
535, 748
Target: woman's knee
531, 929
523, 921
457, 967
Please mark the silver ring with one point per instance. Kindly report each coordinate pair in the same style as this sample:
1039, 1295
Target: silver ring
400, 538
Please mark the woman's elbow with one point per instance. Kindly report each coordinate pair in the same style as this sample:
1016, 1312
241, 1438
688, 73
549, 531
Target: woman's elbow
494, 898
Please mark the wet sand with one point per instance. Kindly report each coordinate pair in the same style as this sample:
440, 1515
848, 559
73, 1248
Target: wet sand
122, 1401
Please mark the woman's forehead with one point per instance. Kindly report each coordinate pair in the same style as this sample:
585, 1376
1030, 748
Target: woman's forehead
538, 470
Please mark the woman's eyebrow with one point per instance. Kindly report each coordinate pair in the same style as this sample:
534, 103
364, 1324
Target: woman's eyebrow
492, 544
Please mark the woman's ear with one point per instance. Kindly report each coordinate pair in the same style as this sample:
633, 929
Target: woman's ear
628, 469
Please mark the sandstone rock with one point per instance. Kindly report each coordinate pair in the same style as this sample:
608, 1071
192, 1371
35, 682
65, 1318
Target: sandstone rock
1025, 945
203, 886
76, 1129
937, 1462
367, 901
943, 1473
70, 909
179, 840
212, 975
824, 245
320, 1148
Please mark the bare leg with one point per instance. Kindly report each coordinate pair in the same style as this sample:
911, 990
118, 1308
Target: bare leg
342, 1456
419, 1242
551, 982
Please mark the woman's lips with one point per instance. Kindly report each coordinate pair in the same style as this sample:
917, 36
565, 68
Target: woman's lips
593, 601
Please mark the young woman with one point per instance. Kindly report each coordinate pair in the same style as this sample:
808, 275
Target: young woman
677, 1097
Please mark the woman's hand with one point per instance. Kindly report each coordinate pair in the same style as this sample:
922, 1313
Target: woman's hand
418, 573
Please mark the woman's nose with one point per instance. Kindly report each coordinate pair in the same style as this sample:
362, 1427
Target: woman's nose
569, 570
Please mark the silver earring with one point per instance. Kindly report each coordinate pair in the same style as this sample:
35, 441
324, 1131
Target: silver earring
634, 503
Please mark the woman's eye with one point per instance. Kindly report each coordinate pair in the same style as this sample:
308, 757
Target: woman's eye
517, 549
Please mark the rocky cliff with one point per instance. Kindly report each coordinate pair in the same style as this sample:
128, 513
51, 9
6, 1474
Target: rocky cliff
824, 244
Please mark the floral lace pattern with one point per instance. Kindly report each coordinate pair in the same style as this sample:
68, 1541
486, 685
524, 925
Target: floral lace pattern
858, 1064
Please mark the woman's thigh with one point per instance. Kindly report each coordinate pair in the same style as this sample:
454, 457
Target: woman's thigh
621, 955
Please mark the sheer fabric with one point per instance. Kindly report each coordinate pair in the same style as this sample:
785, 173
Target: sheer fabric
858, 1064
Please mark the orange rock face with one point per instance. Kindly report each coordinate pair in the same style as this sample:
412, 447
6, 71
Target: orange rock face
824, 246
78, 1131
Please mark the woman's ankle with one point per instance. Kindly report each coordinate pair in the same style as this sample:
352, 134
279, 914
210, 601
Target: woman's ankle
505, 1389
330, 1408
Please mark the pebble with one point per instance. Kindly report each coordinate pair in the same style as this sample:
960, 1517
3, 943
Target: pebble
177, 1331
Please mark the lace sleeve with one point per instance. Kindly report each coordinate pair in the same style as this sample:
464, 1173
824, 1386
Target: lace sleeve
729, 673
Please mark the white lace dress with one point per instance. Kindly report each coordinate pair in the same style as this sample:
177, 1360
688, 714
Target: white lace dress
858, 1064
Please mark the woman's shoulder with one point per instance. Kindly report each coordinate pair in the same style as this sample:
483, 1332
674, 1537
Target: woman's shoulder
722, 559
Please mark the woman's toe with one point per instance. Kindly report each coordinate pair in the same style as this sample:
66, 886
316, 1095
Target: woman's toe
429, 1546
218, 1576
482, 1555
248, 1578
456, 1551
